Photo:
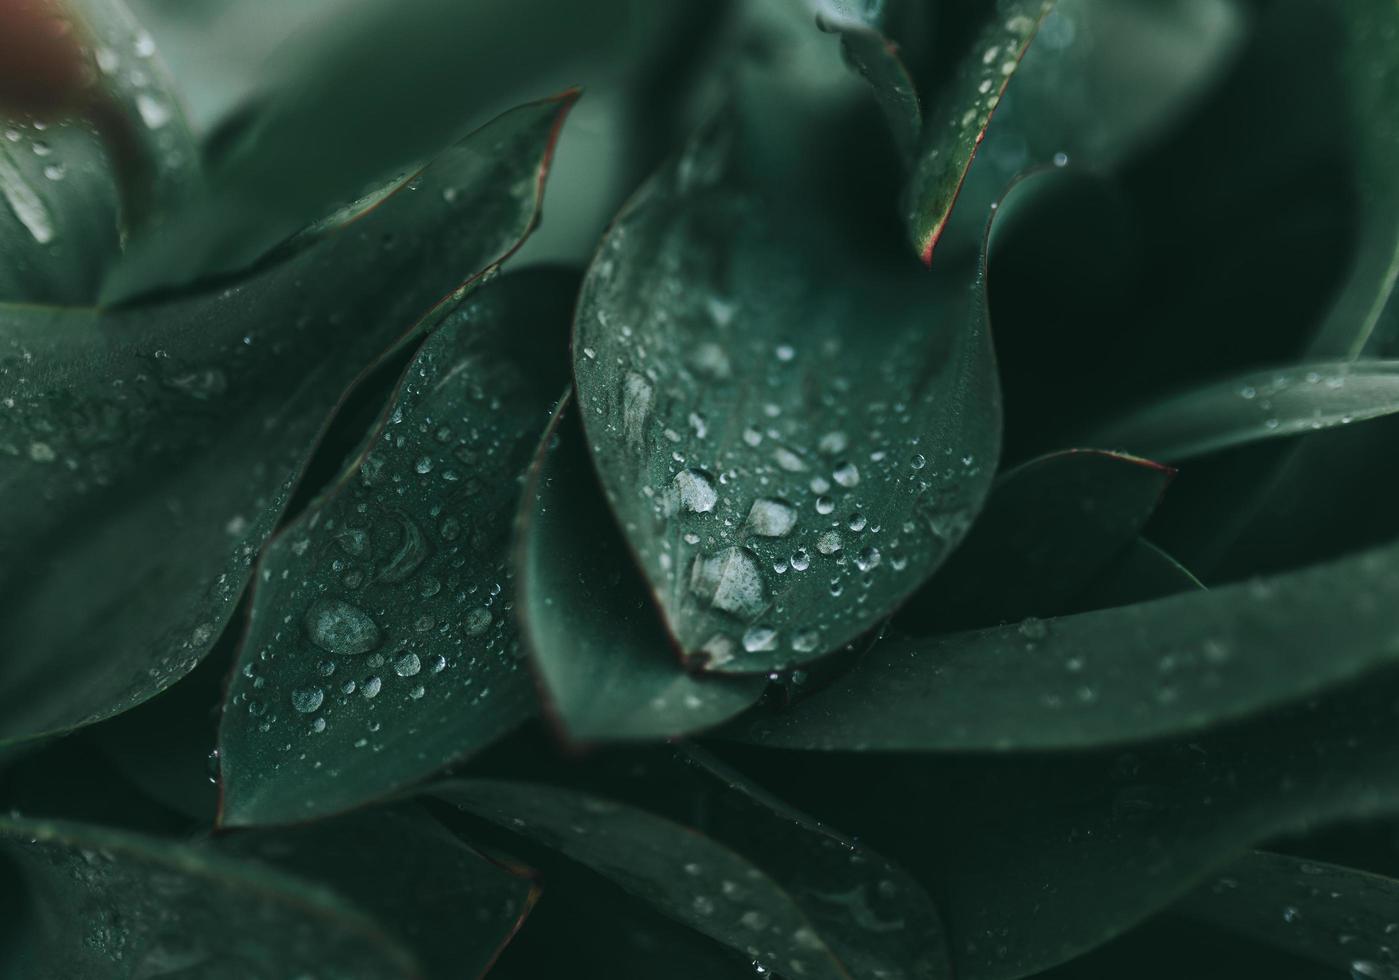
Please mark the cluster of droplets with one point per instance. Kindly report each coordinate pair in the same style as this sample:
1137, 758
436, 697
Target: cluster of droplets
739, 516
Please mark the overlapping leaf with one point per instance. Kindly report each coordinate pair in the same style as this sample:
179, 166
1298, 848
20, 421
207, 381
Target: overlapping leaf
1338, 917
1034, 860
796, 897
605, 661
1172, 665
148, 452
792, 432
381, 643
95, 147
362, 91
1262, 405
149, 907
1049, 527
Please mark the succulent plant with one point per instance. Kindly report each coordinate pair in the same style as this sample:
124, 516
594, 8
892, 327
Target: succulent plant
916, 508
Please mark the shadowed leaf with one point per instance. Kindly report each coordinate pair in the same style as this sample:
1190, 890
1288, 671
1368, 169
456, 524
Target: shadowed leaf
1048, 527
608, 668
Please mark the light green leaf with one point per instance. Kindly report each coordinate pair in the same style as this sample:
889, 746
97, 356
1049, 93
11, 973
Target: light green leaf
381, 643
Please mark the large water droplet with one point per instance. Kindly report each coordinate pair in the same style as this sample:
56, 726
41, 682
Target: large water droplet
729, 580
771, 518
307, 699
694, 491
338, 627
407, 665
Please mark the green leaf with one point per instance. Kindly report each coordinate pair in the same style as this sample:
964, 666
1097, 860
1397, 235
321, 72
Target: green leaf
1364, 317
585, 926
1259, 405
1173, 665
796, 897
381, 645
793, 436
354, 98
98, 150
606, 664
1035, 859
1141, 573
262, 906
111, 904
453, 907
1048, 527
149, 451
1338, 917
871, 52
956, 126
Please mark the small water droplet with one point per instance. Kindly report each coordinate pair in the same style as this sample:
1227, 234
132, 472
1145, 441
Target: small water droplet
407, 665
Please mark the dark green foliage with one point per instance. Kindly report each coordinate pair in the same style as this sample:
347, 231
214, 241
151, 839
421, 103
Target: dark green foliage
939, 527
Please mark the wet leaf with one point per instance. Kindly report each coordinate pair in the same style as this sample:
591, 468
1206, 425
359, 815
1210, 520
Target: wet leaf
1338, 917
150, 450
795, 897
93, 146
1103, 80
1048, 527
358, 95
148, 907
607, 666
381, 643
955, 127
1164, 667
1110, 836
1260, 405
875, 55
792, 439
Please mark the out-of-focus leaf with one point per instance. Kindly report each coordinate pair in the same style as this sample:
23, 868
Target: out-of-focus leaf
1339, 917
957, 124
93, 146
794, 896
148, 452
1049, 526
381, 644
357, 95
109, 904
1365, 317
452, 907
792, 433
1101, 81
1173, 665
1142, 572
1033, 860
607, 666
1260, 405
585, 926
875, 55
